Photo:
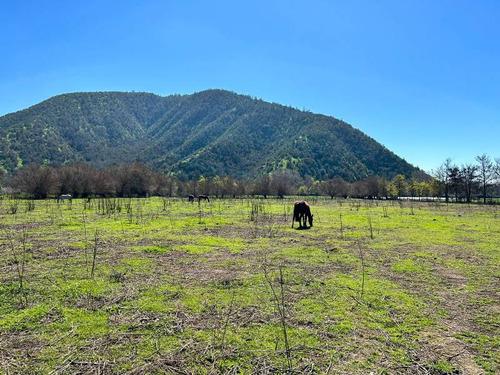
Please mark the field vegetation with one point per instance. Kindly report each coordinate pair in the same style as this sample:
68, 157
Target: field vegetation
160, 285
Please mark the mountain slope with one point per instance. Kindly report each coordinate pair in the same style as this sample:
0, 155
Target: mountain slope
213, 132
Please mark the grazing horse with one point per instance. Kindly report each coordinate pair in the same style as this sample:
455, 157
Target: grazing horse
191, 198
203, 197
64, 196
302, 213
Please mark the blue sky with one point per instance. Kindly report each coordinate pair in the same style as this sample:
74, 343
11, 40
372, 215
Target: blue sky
421, 77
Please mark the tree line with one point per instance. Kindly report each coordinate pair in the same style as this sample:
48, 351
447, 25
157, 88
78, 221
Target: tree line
468, 182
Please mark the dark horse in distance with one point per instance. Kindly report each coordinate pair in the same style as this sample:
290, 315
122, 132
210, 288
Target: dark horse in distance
203, 197
302, 213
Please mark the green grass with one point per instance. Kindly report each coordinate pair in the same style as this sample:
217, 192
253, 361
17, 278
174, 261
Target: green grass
179, 287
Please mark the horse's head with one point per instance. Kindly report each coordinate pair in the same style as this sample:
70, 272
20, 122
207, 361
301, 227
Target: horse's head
311, 220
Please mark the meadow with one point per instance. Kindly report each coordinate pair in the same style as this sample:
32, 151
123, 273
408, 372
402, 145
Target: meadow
162, 286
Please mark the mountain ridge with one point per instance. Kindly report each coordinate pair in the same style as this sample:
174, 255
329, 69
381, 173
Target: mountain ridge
211, 132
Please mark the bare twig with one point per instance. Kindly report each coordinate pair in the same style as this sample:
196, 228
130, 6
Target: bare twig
280, 306
96, 239
362, 256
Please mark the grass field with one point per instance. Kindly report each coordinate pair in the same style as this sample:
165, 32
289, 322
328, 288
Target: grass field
165, 286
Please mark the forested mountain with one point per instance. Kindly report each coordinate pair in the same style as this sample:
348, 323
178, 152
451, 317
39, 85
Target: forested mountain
213, 132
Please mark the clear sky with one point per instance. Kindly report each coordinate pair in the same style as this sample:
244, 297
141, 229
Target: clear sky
422, 77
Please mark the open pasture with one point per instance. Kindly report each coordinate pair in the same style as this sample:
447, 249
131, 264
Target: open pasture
165, 286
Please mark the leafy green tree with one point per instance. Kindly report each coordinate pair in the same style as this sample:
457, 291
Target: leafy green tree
228, 186
413, 187
205, 185
400, 184
217, 185
383, 187
423, 189
456, 181
392, 190
436, 187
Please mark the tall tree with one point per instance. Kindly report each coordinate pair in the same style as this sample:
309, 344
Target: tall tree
263, 186
486, 172
383, 187
328, 187
455, 178
205, 185
400, 184
284, 182
436, 187
469, 178
133, 180
442, 174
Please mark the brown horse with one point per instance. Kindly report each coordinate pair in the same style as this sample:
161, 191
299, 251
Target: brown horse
302, 213
203, 197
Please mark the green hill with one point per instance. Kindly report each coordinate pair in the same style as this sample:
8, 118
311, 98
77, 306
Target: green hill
213, 132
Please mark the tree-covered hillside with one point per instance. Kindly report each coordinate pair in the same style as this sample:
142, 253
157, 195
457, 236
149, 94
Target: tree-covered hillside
213, 132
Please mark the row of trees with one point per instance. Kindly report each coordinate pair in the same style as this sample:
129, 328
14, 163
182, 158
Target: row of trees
470, 180
464, 183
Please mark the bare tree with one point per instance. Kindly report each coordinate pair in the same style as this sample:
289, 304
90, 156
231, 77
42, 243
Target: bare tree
77, 179
105, 182
263, 186
283, 182
163, 185
36, 180
329, 188
335, 187
240, 188
486, 172
371, 186
343, 188
365, 188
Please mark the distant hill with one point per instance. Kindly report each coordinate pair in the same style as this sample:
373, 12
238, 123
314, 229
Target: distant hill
213, 132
